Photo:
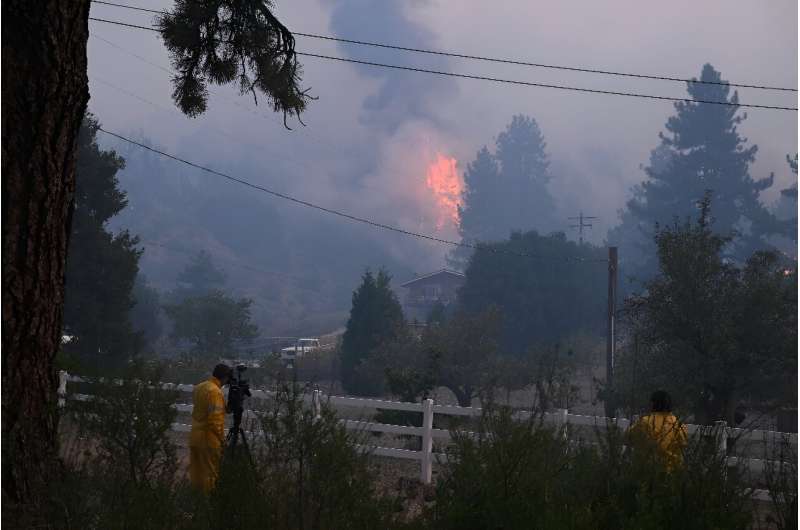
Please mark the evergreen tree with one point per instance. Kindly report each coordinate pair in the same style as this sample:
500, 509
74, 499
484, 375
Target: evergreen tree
507, 190
375, 318
146, 312
101, 266
199, 277
787, 206
701, 150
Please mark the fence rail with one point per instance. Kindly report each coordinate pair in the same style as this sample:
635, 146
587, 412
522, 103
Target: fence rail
560, 418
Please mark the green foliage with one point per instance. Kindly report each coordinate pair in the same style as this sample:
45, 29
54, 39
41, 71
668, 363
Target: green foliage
521, 474
710, 331
101, 266
199, 277
227, 41
146, 313
121, 462
213, 323
507, 191
780, 478
375, 318
309, 474
542, 300
460, 354
701, 150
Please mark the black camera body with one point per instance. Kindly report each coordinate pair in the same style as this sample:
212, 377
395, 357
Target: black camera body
238, 389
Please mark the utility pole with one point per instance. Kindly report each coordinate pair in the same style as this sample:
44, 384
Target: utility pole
612, 329
581, 225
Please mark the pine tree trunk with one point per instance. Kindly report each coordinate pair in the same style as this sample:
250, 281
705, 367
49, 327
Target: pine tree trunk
44, 97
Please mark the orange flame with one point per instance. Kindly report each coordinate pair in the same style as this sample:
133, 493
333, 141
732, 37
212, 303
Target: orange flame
446, 184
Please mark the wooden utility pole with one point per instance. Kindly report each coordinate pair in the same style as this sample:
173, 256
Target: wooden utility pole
581, 225
611, 336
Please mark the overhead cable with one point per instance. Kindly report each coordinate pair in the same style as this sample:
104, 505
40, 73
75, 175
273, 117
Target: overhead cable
495, 59
505, 81
345, 215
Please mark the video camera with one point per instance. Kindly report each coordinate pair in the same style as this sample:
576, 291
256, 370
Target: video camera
238, 389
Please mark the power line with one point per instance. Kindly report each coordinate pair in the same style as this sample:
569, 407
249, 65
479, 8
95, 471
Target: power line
319, 140
503, 81
340, 213
539, 65
496, 59
134, 8
543, 85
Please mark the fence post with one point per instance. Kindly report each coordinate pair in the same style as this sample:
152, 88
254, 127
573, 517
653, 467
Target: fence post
316, 403
721, 428
561, 421
62, 388
427, 441
721, 431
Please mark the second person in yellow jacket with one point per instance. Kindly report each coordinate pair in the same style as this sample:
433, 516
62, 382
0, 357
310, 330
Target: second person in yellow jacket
662, 429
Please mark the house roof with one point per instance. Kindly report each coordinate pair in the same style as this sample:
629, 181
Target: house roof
446, 272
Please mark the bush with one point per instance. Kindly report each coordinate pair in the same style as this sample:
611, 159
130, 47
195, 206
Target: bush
307, 473
121, 464
522, 474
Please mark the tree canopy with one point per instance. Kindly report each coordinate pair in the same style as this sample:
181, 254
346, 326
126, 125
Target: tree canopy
199, 277
229, 41
700, 150
101, 266
557, 292
375, 318
507, 190
213, 323
713, 332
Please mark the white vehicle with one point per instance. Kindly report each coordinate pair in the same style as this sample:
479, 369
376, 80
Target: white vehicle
302, 347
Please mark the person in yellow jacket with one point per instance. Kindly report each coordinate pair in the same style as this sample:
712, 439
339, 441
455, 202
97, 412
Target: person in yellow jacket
207, 438
662, 429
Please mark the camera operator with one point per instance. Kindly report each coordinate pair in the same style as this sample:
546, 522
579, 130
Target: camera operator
207, 439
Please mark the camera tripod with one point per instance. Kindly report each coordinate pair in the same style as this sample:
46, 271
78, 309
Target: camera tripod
235, 435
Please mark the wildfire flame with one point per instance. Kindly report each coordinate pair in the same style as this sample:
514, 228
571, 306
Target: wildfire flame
446, 184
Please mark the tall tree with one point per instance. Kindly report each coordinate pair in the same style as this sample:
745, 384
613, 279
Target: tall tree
557, 292
101, 266
146, 311
507, 190
44, 94
713, 332
199, 277
702, 150
375, 318
212, 322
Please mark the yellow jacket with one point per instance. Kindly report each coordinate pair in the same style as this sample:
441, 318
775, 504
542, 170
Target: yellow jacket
667, 432
208, 415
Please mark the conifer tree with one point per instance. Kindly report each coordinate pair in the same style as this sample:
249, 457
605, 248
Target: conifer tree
375, 318
101, 266
506, 190
701, 150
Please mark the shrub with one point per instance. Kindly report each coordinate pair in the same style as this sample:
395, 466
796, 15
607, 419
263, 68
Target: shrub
121, 465
307, 473
524, 474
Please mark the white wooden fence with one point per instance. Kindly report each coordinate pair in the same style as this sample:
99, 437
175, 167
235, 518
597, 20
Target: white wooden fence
559, 418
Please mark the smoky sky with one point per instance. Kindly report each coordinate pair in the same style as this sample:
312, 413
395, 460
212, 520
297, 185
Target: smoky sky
401, 97
372, 131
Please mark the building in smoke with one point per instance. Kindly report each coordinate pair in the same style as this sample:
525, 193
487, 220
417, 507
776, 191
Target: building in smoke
424, 292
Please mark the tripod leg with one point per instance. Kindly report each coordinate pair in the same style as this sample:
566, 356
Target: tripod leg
247, 450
